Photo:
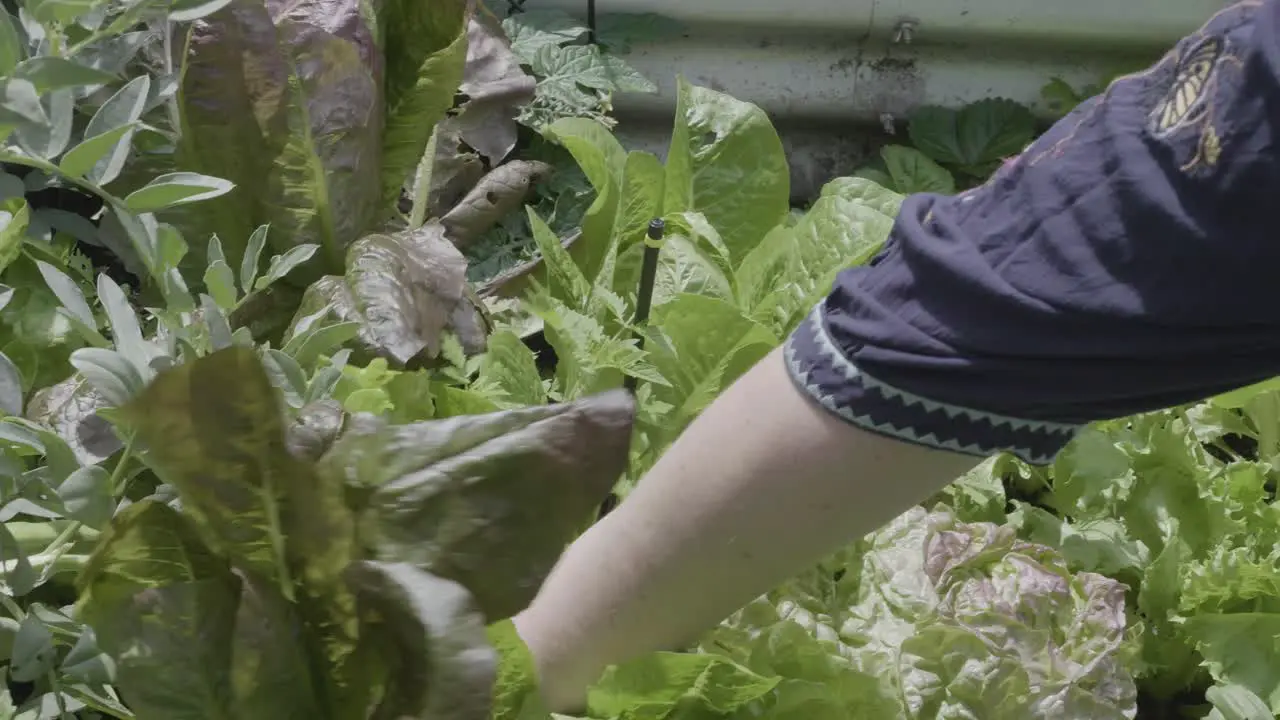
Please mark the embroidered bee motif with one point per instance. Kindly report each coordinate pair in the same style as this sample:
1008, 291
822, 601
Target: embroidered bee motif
1186, 101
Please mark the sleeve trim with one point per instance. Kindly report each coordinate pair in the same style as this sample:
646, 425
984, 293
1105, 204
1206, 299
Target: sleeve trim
822, 371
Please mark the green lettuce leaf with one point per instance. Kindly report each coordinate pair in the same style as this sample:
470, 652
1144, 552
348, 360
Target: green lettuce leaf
603, 160
426, 51
782, 278
726, 162
213, 429
515, 693
164, 606
511, 366
667, 686
700, 345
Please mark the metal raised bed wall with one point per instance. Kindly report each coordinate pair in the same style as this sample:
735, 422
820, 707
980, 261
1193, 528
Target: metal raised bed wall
832, 73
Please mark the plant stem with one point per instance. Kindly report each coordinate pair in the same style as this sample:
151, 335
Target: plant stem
60, 544
117, 487
12, 607
644, 294
56, 688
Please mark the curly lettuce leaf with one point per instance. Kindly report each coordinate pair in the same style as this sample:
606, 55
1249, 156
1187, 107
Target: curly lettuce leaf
931, 617
1176, 504
442, 663
488, 501
402, 290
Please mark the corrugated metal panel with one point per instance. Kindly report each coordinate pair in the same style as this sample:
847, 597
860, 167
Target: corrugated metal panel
830, 72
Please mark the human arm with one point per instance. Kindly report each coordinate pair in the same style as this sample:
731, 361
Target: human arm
1124, 263
763, 483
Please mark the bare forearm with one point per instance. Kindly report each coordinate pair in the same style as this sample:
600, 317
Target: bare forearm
763, 483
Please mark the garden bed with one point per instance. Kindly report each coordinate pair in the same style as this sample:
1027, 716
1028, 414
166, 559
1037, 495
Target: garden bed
323, 331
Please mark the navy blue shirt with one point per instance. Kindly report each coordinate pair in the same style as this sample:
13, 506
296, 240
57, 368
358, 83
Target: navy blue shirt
1128, 260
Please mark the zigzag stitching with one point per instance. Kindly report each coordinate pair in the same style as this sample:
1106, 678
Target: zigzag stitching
828, 349
908, 433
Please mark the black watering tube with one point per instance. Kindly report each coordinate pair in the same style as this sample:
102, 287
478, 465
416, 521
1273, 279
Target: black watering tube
644, 300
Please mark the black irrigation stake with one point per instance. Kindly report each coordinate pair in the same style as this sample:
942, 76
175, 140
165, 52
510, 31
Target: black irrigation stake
644, 296
591, 21
644, 299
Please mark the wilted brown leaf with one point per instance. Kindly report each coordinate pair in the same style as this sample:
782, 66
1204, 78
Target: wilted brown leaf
404, 289
496, 87
500, 192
